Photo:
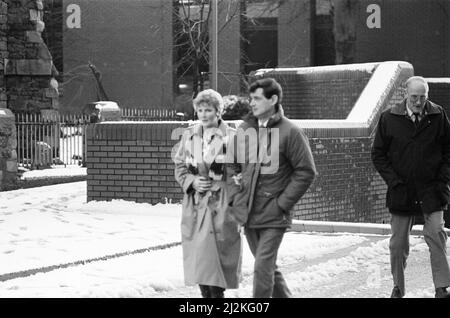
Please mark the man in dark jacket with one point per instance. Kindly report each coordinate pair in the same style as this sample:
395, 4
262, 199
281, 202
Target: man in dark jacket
411, 151
272, 184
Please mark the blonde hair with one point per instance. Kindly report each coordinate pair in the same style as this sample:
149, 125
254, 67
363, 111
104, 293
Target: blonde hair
211, 98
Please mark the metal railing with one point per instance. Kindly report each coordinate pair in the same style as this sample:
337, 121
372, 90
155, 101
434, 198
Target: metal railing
60, 139
55, 140
155, 114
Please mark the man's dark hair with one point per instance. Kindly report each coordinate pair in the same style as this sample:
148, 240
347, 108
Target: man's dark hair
270, 87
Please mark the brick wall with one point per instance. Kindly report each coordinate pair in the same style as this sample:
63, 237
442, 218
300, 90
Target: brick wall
440, 93
347, 187
132, 161
328, 94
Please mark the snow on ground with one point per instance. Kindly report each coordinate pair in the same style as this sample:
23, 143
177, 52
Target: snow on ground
56, 171
153, 274
53, 225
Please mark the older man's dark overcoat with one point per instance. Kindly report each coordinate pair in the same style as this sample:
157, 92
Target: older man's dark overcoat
414, 161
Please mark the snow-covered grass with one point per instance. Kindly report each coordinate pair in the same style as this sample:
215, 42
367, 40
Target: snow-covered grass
54, 224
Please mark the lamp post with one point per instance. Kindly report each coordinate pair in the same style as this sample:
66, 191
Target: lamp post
214, 36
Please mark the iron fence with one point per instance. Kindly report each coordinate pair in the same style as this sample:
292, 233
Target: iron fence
156, 114
44, 140
50, 140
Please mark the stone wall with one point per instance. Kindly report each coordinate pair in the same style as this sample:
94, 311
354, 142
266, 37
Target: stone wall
27, 80
3, 51
8, 142
8, 154
29, 70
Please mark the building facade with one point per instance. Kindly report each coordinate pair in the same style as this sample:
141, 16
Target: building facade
134, 46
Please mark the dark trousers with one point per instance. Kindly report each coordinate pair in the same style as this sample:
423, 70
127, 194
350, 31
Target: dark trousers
267, 280
211, 291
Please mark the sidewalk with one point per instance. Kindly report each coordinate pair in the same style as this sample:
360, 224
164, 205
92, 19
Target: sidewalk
349, 227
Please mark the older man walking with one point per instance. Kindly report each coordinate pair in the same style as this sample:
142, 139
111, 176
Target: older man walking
411, 151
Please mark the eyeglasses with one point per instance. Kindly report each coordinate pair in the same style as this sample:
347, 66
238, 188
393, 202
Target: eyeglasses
415, 98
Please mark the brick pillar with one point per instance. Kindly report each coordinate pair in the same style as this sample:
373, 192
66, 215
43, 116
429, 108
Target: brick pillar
29, 70
229, 47
295, 44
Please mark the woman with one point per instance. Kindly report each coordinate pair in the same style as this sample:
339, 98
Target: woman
210, 238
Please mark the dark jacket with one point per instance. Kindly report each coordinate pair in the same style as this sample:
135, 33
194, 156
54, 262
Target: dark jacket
414, 162
266, 197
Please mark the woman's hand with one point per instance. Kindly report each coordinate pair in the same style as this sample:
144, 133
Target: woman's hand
201, 184
237, 179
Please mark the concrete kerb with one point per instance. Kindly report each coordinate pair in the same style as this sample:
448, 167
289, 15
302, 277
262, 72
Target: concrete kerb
349, 227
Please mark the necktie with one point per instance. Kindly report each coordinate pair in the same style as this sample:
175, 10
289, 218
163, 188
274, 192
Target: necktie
416, 119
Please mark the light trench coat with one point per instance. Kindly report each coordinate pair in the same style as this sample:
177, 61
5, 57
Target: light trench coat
211, 240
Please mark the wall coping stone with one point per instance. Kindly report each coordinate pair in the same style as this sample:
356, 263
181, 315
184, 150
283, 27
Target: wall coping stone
6, 113
438, 80
363, 117
358, 67
360, 122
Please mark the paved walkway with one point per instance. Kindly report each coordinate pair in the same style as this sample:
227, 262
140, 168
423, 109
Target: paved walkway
324, 278
51, 226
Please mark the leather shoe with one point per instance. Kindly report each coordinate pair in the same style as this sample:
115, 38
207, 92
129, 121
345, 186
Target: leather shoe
442, 292
396, 292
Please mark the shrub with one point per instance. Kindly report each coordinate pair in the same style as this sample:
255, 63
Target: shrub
235, 107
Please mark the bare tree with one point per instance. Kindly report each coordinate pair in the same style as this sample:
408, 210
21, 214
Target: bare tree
191, 33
